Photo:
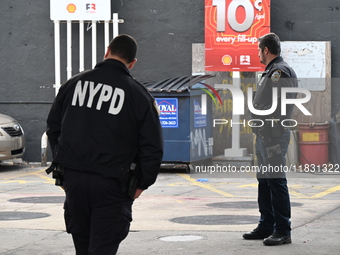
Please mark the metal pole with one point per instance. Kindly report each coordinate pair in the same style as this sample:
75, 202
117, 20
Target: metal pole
69, 49
235, 150
94, 43
57, 56
115, 21
235, 141
106, 36
81, 46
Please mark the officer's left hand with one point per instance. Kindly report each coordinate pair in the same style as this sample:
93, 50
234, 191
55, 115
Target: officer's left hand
137, 193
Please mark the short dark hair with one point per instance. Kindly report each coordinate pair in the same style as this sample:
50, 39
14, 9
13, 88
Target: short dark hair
272, 42
124, 46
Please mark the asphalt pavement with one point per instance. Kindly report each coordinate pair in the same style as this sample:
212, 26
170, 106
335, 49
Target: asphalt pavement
180, 214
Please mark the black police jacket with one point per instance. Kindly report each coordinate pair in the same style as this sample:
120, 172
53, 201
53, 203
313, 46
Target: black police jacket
102, 120
278, 74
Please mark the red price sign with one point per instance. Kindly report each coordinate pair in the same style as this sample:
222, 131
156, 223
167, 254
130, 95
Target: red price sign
232, 29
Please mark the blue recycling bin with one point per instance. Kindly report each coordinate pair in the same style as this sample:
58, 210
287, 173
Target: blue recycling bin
186, 118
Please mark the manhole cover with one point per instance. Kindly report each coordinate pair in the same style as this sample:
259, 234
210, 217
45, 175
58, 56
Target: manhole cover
6, 216
181, 238
39, 200
217, 219
237, 205
243, 205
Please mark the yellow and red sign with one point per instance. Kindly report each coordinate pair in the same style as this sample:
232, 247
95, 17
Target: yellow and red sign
232, 29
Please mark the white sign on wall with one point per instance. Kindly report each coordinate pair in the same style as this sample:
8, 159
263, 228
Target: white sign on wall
308, 59
80, 9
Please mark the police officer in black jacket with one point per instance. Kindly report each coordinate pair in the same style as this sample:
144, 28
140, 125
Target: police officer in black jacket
102, 122
272, 140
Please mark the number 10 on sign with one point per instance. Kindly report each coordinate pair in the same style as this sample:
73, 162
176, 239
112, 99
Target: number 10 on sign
231, 31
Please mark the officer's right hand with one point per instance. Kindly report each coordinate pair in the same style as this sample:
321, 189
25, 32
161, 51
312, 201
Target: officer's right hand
137, 193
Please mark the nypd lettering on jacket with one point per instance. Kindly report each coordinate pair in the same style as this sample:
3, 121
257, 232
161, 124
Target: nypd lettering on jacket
115, 97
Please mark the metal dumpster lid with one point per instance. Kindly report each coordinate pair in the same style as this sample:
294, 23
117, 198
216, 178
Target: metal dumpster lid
178, 84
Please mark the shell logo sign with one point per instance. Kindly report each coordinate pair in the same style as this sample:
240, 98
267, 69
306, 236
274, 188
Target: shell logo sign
226, 60
71, 8
232, 28
86, 10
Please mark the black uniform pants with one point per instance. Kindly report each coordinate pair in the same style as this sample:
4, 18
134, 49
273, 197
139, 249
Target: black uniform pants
97, 213
273, 195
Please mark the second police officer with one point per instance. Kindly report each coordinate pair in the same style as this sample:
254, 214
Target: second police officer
272, 141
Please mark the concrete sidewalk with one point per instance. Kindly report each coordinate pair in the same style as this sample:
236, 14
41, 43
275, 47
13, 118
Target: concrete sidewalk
320, 236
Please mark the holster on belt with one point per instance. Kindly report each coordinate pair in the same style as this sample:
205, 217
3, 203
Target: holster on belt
130, 180
57, 173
